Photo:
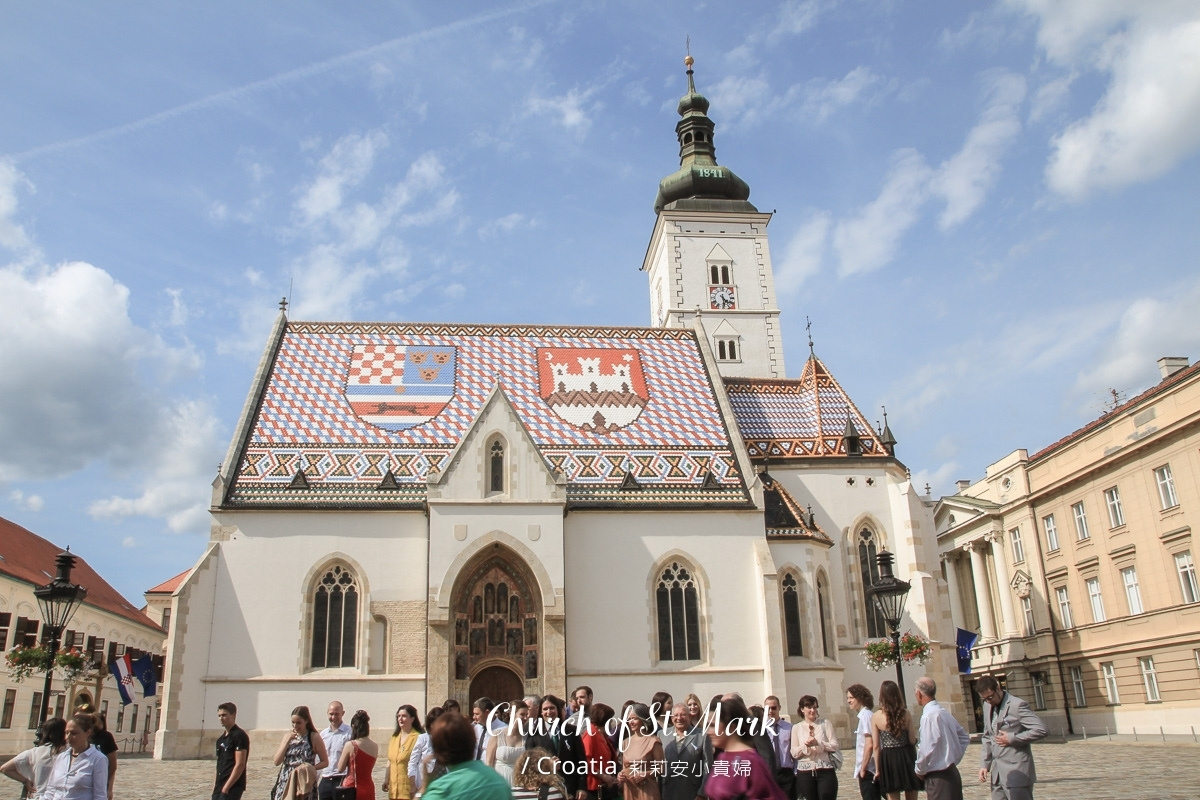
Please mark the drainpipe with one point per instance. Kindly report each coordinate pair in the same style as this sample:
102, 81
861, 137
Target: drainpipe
1062, 678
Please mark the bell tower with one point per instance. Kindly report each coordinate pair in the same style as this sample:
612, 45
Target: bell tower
708, 256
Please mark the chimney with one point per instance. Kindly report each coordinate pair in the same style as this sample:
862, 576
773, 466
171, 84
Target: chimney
1169, 365
962, 486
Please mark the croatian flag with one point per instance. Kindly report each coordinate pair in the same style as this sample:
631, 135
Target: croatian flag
122, 670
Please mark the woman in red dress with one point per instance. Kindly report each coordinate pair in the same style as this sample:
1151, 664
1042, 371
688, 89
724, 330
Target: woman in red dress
359, 757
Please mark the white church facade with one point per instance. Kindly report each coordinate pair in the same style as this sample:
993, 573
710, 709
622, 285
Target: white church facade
411, 512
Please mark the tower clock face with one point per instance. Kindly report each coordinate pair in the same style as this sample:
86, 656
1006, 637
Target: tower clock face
721, 297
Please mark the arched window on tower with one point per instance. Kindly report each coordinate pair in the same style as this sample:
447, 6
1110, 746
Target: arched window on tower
716, 274
827, 647
335, 619
677, 602
791, 616
727, 349
869, 570
496, 466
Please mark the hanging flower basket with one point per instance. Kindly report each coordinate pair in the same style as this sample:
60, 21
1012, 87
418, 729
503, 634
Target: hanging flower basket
914, 649
25, 661
73, 664
879, 654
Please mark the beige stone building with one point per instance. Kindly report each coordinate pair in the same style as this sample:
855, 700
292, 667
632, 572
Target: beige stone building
103, 627
1076, 565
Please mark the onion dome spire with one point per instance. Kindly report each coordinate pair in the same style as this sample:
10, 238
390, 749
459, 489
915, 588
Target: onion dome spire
700, 184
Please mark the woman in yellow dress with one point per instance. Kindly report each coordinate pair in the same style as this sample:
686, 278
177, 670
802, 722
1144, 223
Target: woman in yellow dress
395, 778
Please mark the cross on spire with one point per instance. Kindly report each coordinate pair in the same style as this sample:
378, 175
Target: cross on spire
808, 327
283, 304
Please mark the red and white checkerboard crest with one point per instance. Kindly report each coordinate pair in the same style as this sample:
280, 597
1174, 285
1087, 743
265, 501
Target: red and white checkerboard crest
396, 387
597, 389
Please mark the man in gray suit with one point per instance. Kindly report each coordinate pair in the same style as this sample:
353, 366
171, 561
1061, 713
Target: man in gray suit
1009, 728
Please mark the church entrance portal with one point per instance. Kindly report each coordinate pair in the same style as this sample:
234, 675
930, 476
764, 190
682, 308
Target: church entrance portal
497, 629
498, 684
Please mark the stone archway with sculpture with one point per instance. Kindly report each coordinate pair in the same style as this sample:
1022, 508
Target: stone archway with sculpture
497, 614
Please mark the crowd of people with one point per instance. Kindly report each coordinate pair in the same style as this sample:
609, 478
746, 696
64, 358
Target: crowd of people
551, 748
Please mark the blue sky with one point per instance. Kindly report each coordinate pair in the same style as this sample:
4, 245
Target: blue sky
989, 211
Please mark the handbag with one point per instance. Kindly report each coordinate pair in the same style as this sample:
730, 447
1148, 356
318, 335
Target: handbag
836, 759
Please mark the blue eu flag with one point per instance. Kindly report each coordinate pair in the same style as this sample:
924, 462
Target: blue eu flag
966, 640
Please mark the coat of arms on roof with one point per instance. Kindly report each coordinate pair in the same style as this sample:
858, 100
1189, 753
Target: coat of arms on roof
396, 387
596, 389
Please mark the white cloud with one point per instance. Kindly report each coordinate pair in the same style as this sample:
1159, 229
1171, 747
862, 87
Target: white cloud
965, 179
938, 480
344, 167
869, 240
129, 541
1050, 96
27, 502
1050, 339
12, 234
506, 224
803, 254
70, 358
179, 309
796, 16
176, 486
354, 242
572, 110
1147, 329
822, 98
1148, 120
743, 100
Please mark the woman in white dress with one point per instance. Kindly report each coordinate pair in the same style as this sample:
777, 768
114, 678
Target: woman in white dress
507, 745
32, 767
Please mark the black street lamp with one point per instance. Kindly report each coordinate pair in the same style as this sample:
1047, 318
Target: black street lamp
58, 600
889, 593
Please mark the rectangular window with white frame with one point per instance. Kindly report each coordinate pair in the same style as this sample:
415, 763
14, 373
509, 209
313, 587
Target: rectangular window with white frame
1116, 515
1018, 547
1166, 487
1064, 607
1094, 597
1187, 576
1027, 610
1039, 691
1081, 528
1149, 679
1077, 686
1051, 532
1133, 595
1110, 682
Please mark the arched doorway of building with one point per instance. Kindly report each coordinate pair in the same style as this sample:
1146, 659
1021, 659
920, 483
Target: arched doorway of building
498, 683
497, 628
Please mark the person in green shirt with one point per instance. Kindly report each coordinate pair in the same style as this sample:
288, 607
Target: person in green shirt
453, 741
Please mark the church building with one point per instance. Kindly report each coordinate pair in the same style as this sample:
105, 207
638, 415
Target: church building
410, 512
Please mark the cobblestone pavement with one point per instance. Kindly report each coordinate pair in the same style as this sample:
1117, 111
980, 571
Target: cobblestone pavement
1093, 770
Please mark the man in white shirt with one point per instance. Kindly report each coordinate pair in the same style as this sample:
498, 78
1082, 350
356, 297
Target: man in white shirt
861, 701
943, 743
335, 738
780, 733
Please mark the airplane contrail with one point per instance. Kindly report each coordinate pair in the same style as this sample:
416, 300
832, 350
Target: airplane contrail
276, 81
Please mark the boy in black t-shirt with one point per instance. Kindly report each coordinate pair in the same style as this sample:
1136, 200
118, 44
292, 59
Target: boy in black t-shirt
232, 749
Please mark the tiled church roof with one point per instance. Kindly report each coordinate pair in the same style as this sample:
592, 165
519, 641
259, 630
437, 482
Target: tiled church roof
801, 418
348, 403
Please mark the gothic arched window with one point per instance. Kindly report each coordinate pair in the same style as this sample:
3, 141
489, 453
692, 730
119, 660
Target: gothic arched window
335, 619
793, 640
826, 623
677, 602
496, 466
869, 569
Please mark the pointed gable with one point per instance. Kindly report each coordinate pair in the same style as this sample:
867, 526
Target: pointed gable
344, 404
802, 418
783, 516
